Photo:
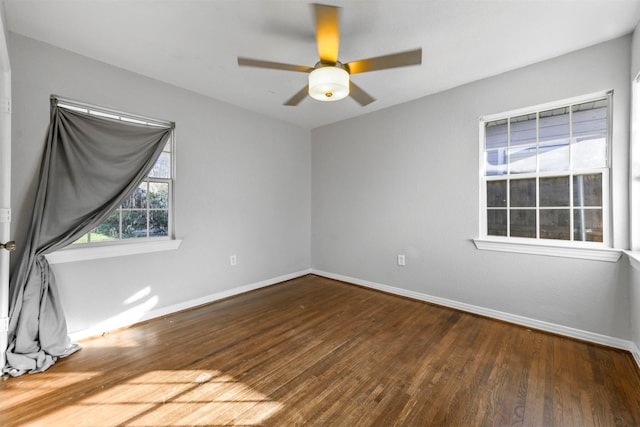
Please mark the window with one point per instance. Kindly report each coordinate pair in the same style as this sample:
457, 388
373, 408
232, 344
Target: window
545, 173
147, 212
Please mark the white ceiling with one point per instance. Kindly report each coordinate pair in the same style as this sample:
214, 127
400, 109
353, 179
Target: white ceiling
195, 44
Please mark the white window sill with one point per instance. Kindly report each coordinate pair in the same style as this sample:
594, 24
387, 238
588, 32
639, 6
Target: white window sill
77, 253
596, 253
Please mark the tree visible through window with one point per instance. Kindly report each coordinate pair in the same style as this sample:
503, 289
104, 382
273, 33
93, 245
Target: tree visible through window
146, 213
546, 172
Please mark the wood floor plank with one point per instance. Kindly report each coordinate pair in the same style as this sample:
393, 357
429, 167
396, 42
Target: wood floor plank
314, 351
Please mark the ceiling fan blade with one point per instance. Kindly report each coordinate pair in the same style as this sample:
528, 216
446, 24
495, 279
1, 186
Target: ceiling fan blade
299, 96
362, 97
327, 32
401, 59
248, 62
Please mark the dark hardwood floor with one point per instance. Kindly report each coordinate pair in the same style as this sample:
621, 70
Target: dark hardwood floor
313, 351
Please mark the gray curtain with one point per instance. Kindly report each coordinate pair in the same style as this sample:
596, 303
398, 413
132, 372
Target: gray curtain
90, 165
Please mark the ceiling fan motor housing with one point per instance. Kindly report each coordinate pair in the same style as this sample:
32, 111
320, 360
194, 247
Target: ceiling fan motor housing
329, 82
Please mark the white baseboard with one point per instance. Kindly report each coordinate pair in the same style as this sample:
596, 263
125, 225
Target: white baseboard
495, 314
103, 328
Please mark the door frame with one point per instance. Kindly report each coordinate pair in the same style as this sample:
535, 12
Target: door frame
5, 184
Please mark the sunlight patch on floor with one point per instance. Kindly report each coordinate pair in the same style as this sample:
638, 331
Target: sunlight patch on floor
170, 398
39, 385
110, 341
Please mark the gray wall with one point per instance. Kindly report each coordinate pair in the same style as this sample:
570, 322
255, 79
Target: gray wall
242, 187
405, 181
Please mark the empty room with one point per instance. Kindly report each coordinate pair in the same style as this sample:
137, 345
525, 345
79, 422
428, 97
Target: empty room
354, 213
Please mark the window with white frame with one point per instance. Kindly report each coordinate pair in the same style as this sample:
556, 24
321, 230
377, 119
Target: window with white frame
545, 173
147, 212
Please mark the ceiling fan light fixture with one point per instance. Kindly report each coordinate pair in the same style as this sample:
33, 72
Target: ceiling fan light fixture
329, 83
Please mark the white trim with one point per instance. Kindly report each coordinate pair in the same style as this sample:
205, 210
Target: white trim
75, 253
495, 314
106, 327
591, 253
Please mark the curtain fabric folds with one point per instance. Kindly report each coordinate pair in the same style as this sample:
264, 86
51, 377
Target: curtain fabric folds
90, 165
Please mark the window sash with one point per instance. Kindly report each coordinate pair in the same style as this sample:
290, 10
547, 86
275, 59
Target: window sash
572, 206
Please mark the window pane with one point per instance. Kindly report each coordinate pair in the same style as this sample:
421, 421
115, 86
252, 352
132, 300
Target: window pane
554, 191
522, 159
496, 162
497, 193
554, 156
496, 134
497, 222
138, 199
523, 129
108, 230
590, 122
162, 168
100, 237
134, 224
587, 225
523, 223
555, 224
158, 223
554, 125
554, 140
589, 153
523, 192
590, 118
587, 190
158, 195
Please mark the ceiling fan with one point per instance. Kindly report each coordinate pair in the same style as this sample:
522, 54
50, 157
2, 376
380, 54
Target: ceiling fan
329, 78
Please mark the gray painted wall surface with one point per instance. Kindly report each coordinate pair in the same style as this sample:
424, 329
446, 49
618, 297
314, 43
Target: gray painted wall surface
242, 186
405, 181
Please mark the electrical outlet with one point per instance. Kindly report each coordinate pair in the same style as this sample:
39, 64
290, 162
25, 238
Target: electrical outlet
402, 260
233, 260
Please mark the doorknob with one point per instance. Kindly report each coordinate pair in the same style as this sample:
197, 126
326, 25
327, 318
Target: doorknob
10, 245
